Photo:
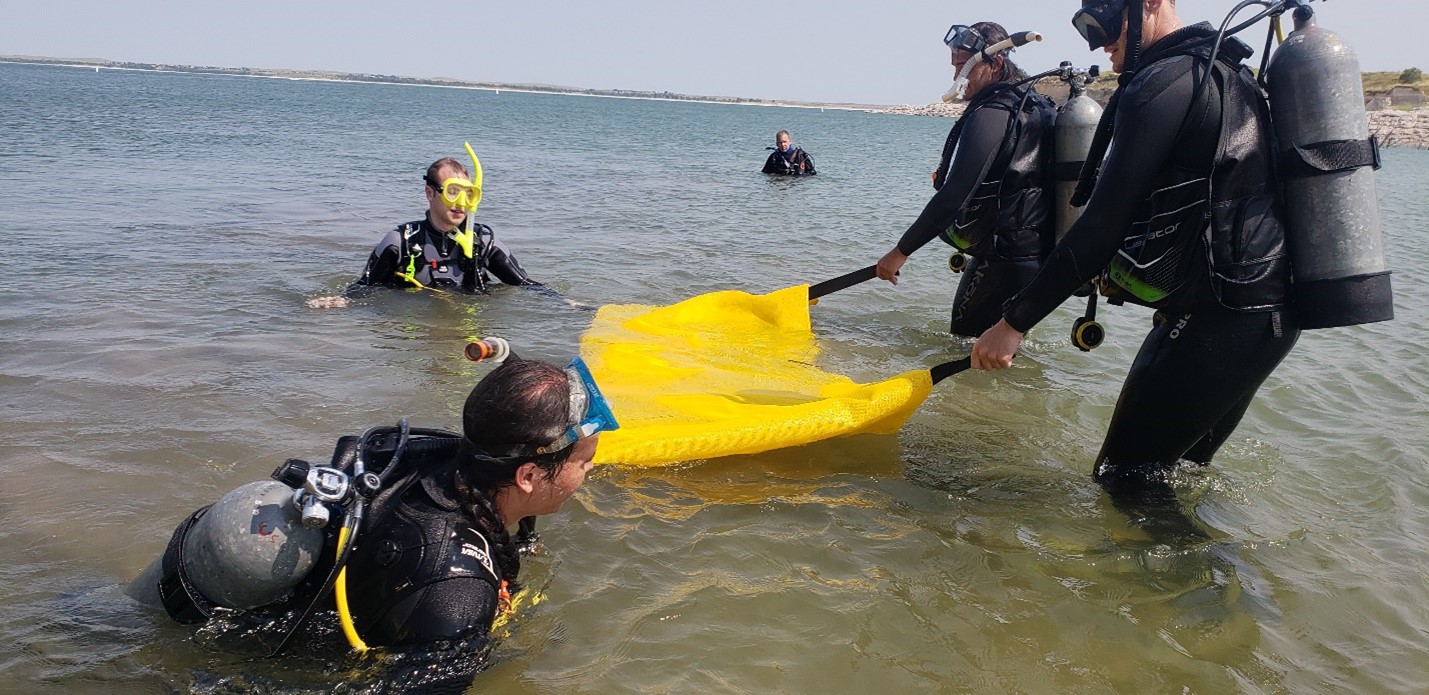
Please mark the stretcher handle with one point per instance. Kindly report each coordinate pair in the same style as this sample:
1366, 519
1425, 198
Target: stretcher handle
842, 282
948, 369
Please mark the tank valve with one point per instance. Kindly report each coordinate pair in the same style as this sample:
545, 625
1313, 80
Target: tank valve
321, 487
957, 262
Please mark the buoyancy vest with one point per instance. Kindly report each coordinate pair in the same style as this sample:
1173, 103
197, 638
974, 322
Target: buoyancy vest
421, 260
415, 536
1009, 215
1211, 233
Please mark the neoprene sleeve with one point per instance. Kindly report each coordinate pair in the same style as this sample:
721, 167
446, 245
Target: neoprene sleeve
977, 146
1148, 139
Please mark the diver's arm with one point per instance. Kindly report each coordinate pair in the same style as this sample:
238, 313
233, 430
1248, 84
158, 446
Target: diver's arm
1144, 140
455, 608
382, 264
977, 146
504, 266
808, 165
770, 166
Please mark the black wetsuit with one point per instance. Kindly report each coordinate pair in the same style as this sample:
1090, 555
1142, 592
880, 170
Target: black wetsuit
437, 260
994, 182
792, 163
421, 571
1222, 276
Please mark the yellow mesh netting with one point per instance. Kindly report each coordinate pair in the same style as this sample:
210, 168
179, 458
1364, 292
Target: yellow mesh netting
729, 373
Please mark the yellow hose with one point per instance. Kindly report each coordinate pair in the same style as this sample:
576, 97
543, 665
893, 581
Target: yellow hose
343, 614
1279, 31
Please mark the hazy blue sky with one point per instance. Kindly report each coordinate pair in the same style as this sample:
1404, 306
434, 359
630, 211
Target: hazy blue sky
826, 50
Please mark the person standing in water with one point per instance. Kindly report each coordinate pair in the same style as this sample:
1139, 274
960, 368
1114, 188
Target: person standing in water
993, 199
787, 159
1183, 218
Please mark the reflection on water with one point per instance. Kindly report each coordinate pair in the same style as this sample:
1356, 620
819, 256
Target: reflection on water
165, 354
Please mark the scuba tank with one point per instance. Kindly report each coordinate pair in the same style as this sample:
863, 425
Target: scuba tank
1326, 163
1076, 127
265, 542
249, 549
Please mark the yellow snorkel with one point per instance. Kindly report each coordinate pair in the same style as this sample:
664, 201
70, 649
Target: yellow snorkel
469, 200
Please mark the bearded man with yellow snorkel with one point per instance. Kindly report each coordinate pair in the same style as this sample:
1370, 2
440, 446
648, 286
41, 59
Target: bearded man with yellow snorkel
448, 250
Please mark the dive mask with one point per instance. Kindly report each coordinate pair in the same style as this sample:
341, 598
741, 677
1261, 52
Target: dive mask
458, 193
1099, 22
589, 411
961, 37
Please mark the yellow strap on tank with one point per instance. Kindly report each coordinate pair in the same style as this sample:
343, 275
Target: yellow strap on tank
343, 614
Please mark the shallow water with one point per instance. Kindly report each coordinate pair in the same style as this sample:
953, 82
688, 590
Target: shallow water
164, 231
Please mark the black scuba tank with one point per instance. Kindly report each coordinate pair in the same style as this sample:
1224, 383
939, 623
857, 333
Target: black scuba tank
1326, 162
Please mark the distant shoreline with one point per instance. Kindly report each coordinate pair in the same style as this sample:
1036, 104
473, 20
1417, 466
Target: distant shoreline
1394, 127
372, 78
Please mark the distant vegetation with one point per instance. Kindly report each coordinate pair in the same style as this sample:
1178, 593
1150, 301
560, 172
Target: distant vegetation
371, 77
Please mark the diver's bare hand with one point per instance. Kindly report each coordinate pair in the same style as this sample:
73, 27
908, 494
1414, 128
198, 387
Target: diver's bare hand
996, 346
890, 264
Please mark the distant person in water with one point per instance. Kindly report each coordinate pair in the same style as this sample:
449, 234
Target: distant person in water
788, 159
447, 250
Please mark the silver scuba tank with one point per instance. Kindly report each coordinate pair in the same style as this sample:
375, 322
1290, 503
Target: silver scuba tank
1326, 163
249, 549
1076, 127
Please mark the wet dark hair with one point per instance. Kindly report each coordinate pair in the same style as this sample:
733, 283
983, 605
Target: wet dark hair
523, 404
436, 168
992, 33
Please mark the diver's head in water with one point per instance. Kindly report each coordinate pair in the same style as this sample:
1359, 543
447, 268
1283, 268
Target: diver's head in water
782, 141
535, 429
1106, 24
967, 44
448, 186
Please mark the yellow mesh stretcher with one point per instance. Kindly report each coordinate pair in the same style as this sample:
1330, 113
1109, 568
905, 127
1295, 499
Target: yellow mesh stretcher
729, 373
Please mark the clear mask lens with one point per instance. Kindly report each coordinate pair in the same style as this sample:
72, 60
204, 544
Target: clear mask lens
460, 193
590, 413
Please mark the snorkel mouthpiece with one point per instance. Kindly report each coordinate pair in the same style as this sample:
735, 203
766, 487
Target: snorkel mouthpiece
961, 38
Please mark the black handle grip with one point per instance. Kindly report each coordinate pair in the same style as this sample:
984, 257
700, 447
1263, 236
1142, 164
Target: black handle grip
948, 369
843, 282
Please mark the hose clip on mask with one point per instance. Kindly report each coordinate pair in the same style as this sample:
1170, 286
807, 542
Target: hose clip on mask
1099, 22
589, 411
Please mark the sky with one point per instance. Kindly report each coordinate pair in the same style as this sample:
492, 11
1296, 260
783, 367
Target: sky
804, 50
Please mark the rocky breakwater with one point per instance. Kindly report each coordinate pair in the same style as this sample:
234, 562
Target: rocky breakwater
1401, 128
1395, 127
939, 109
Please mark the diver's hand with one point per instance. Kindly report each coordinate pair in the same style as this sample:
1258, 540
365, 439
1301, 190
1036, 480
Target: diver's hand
890, 264
995, 348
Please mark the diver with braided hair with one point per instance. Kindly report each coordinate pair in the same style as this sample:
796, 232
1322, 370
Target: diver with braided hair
993, 199
408, 532
437, 560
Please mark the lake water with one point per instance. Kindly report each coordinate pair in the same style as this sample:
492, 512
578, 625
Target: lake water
163, 233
